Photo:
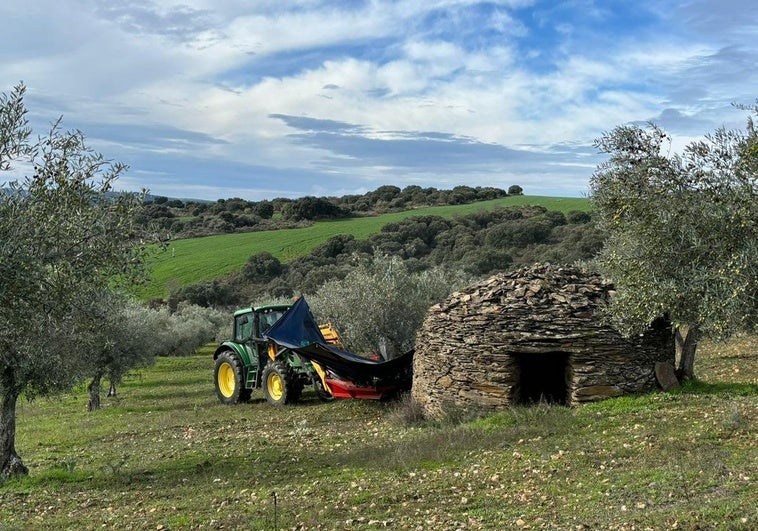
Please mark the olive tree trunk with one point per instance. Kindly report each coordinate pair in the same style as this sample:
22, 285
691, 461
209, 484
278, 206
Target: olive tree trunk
10, 463
94, 392
686, 346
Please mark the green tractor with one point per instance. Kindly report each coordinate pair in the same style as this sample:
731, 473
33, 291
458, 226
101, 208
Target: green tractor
249, 361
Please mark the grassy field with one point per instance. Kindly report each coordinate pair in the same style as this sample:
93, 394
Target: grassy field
166, 455
196, 259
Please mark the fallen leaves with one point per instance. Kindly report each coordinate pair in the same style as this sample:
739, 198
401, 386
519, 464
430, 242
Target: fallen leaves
346, 465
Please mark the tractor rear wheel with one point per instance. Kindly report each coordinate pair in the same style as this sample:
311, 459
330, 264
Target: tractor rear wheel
229, 377
280, 384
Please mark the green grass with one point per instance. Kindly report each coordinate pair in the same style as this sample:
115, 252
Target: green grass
196, 259
165, 454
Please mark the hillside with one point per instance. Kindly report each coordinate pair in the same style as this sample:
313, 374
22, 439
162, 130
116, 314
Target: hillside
166, 454
197, 259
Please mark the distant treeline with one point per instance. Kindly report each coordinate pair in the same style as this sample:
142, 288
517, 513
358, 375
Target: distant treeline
477, 244
187, 219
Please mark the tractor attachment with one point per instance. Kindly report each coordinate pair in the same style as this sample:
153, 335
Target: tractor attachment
280, 349
343, 374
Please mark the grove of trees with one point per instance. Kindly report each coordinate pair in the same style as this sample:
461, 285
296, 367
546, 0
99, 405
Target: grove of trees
186, 219
476, 244
127, 335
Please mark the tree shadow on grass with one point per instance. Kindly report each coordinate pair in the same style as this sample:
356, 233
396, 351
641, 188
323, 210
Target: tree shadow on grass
697, 387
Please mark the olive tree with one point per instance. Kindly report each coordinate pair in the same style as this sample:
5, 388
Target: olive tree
681, 232
61, 239
380, 305
121, 338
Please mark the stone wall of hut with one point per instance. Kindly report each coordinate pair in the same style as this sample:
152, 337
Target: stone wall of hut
535, 333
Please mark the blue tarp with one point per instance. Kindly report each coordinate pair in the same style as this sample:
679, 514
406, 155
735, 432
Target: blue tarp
296, 327
298, 331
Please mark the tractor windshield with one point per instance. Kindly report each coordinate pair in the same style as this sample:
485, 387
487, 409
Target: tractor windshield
268, 318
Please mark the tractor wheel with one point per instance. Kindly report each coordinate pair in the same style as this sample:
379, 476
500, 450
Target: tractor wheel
229, 376
280, 384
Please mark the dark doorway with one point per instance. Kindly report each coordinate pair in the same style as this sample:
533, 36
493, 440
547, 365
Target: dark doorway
542, 377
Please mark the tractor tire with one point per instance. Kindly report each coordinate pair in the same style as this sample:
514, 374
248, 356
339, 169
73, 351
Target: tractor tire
229, 377
280, 384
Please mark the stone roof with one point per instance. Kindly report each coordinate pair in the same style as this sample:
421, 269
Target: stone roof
545, 300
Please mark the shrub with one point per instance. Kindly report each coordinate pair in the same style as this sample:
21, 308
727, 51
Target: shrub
577, 217
518, 233
312, 208
207, 293
262, 267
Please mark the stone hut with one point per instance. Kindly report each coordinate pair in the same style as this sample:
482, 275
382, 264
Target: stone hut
529, 335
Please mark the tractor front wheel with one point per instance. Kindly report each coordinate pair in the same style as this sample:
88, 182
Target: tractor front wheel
229, 376
280, 384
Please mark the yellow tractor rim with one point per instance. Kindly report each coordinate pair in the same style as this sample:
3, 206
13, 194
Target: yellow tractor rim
275, 386
226, 379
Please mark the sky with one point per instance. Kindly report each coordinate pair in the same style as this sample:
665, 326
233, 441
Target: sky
258, 99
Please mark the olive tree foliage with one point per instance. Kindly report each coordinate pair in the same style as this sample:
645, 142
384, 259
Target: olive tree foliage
681, 232
380, 305
181, 332
61, 239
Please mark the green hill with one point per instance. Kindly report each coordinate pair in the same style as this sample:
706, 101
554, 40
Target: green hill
193, 260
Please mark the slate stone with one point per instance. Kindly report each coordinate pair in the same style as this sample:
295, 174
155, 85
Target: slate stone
665, 374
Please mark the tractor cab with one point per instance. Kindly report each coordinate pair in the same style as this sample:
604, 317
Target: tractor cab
253, 323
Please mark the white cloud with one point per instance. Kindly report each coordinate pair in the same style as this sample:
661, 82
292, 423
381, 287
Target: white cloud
204, 78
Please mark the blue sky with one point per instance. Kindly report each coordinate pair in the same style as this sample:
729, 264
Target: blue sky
259, 99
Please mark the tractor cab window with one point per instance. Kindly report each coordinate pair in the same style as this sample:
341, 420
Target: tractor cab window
268, 319
243, 327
